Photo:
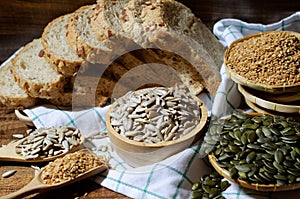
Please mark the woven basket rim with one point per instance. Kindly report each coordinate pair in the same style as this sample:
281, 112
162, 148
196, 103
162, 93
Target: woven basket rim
278, 107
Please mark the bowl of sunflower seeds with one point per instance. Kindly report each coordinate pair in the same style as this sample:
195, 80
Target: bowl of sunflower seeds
149, 125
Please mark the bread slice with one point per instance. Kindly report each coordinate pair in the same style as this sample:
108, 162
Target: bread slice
34, 74
81, 37
63, 58
170, 26
11, 94
106, 22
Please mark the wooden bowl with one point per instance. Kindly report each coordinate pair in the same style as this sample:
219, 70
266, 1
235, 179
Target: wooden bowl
257, 86
254, 186
24, 118
138, 154
273, 106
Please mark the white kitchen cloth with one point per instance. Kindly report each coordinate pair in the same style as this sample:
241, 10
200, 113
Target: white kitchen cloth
173, 177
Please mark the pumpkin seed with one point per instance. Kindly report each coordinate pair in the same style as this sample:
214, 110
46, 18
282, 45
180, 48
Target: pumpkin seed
278, 156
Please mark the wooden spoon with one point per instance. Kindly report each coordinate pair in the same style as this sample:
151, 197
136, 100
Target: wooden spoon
37, 185
8, 153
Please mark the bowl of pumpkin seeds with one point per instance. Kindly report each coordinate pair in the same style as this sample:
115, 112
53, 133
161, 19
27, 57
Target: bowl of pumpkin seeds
256, 151
148, 125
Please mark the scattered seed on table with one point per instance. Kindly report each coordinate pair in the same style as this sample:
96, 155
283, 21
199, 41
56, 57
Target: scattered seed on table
8, 174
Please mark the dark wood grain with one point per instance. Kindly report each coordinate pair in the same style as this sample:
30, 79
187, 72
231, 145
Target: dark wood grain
23, 20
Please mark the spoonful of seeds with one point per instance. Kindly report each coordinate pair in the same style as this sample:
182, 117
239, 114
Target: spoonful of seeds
43, 144
63, 171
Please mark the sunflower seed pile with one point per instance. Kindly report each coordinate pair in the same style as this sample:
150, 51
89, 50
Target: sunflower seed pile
47, 142
210, 186
156, 114
257, 149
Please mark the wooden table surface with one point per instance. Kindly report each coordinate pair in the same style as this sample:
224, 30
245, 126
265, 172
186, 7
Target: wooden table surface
23, 20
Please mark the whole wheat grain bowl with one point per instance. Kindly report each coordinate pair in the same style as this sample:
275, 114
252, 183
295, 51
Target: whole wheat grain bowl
267, 61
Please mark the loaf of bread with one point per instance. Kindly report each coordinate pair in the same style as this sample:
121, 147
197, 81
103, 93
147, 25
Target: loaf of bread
102, 51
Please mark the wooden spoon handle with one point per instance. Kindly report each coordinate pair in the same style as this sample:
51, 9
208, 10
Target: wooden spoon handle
28, 189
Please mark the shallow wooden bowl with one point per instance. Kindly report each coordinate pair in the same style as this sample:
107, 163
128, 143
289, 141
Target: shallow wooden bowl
268, 105
244, 81
23, 117
254, 186
138, 154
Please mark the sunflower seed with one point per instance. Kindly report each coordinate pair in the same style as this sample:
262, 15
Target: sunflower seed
8, 174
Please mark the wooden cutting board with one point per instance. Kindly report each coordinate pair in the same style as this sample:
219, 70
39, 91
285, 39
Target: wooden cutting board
9, 125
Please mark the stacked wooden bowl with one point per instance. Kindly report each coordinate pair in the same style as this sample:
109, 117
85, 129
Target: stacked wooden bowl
266, 67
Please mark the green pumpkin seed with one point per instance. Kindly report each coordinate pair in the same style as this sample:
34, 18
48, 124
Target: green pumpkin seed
242, 175
233, 173
291, 178
269, 146
244, 167
289, 138
288, 133
278, 156
251, 136
254, 146
270, 176
265, 177
297, 150
250, 157
293, 155
257, 119
280, 177
250, 126
195, 186
252, 172
294, 173
279, 167
288, 163
266, 131
274, 130
259, 132
244, 139
224, 185
209, 182
237, 134
234, 148
213, 192
284, 123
